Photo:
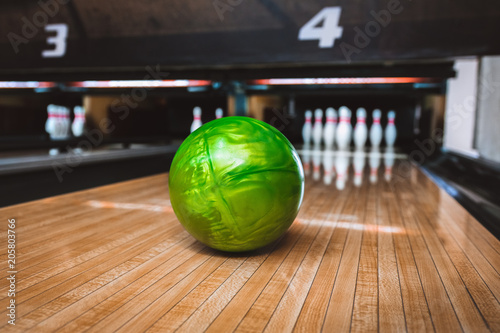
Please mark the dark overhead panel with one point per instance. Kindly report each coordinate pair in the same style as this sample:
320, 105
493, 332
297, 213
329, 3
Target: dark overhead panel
121, 38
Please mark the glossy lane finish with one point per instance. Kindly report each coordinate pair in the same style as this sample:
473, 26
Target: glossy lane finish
398, 255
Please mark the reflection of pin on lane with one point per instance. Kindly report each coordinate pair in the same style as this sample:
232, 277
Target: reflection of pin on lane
374, 164
316, 158
328, 167
389, 157
306, 159
359, 165
341, 167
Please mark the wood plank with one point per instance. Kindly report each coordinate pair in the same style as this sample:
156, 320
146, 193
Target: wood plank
391, 312
417, 315
87, 295
291, 304
365, 313
339, 313
441, 310
96, 306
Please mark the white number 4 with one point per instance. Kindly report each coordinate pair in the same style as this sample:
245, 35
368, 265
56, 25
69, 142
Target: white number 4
59, 40
325, 33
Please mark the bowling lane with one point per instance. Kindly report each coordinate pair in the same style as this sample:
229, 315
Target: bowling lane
377, 246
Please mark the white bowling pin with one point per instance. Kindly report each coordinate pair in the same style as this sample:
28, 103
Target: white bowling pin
79, 122
50, 123
390, 130
196, 119
318, 127
307, 129
330, 127
360, 130
59, 125
359, 165
67, 123
376, 129
64, 122
328, 167
341, 167
350, 126
374, 164
316, 159
389, 163
344, 128
218, 113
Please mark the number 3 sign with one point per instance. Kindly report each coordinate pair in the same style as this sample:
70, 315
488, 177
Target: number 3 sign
59, 40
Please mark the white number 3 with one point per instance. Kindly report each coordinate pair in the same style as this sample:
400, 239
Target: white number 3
59, 40
327, 32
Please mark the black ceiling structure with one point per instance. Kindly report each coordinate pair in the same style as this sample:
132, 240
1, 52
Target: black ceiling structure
116, 39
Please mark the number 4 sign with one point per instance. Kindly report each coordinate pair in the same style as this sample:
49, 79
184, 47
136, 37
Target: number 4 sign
326, 32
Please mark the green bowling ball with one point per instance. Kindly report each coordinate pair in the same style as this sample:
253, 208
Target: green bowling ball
236, 184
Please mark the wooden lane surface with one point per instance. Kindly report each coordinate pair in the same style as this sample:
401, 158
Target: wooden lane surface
398, 255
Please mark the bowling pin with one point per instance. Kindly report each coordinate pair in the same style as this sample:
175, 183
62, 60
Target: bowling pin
218, 113
307, 129
330, 127
341, 167
359, 165
376, 129
64, 122
344, 128
317, 131
360, 130
197, 119
390, 130
374, 164
79, 122
58, 123
328, 167
67, 123
50, 123
316, 159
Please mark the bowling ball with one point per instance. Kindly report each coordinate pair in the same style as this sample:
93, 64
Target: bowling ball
236, 184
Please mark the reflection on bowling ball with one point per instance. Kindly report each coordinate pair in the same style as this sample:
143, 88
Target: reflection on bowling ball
236, 184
